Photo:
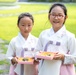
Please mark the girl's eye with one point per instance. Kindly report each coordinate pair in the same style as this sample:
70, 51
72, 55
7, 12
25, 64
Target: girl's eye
29, 25
58, 16
22, 25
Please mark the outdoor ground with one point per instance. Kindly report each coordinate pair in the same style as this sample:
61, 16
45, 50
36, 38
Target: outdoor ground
4, 66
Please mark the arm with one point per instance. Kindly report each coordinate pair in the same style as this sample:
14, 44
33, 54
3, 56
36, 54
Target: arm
71, 57
11, 52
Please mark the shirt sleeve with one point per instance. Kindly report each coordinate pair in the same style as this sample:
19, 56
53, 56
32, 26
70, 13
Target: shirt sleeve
39, 45
70, 58
10, 51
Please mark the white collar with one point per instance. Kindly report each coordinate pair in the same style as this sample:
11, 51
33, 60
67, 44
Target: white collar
60, 32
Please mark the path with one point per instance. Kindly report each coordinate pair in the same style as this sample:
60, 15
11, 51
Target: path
4, 66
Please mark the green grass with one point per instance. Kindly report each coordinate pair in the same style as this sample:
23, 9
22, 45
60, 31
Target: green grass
7, 1
4, 62
8, 19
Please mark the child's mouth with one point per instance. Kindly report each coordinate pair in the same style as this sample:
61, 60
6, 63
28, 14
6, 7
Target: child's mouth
55, 21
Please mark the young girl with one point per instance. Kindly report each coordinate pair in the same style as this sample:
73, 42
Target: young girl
24, 41
60, 41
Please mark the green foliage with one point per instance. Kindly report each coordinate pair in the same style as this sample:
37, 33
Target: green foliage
52, 0
1, 71
3, 62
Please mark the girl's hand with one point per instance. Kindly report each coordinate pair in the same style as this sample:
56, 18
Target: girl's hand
13, 61
58, 56
36, 62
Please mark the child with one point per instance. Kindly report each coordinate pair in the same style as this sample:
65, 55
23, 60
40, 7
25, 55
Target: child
60, 41
24, 41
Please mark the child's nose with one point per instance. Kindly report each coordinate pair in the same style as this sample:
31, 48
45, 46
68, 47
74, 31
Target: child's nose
56, 17
26, 28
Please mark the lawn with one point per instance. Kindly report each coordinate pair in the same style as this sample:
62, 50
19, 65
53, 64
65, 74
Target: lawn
8, 19
4, 1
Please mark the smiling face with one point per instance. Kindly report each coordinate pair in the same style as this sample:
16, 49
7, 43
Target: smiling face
57, 17
25, 26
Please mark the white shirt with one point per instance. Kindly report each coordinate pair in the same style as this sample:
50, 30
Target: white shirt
16, 45
62, 41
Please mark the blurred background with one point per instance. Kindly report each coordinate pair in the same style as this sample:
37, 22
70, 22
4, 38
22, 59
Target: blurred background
38, 0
